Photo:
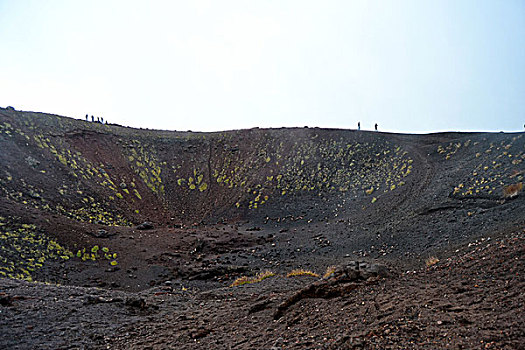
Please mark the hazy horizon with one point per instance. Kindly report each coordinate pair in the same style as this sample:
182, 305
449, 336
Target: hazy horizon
410, 66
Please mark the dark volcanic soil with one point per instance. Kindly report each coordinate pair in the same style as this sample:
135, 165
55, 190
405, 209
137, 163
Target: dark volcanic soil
139, 234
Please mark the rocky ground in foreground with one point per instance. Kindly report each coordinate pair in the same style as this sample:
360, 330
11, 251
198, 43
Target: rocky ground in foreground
474, 300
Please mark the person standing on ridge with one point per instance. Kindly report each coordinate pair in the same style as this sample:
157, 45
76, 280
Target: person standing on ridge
86, 117
376, 126
358, 125
92, 119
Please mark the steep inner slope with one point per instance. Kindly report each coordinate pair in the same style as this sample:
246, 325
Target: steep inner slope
189, 177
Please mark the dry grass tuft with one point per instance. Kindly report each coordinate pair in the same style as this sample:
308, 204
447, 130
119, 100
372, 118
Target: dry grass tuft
301, 272
511, 191
329, 270
240, 281
431, 261
263, 275
247, 280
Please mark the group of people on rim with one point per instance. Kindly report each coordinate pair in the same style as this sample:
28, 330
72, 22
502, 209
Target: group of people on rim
99, 119
359, 126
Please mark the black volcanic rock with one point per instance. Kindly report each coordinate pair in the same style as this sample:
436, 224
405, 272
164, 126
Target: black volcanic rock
146, 225
102, 234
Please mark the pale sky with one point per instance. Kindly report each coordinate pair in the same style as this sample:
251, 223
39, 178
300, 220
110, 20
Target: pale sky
411, 66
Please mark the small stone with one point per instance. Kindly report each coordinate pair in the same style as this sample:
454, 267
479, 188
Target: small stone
102, 234
146, 225
5, 300
32, 161
136, 302
199, 333
93, 299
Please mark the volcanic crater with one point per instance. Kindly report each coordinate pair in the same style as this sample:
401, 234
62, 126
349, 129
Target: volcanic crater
289, 238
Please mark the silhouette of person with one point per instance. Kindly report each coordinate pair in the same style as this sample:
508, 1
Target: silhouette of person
98, 120
86, 117
358, 125
376, 126
92, 118
102, 120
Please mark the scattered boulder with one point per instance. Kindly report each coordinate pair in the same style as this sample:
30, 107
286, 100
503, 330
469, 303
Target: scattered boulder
136, 302
146, 225
101, 234
358, 270
378, 270
198, 246
215, 272
197, 333
260, 306
340, 282
32, 161
94, 299
5, 300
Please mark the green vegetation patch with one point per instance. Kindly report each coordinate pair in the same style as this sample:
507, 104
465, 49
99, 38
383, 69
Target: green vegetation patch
97, 253
143, 160
23, 250
500, 166
321, 166
95, 214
